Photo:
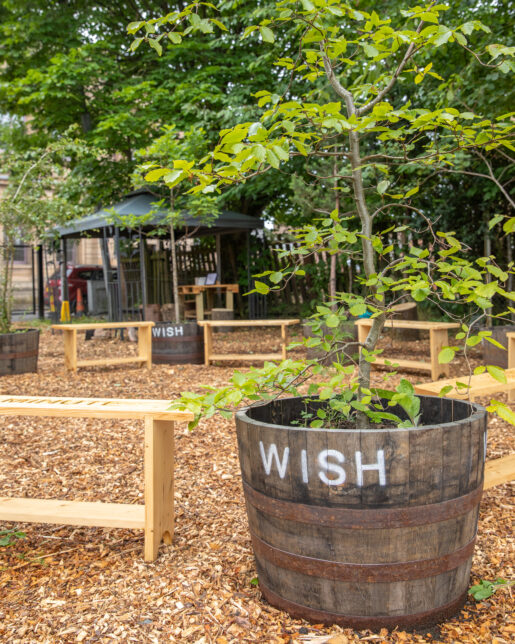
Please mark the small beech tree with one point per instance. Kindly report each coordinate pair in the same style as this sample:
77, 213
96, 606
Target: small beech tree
358, 70
34, 201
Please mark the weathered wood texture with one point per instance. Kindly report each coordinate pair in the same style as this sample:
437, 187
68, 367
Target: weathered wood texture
19, 352
177, 343
69, 331
222, 314
156, 516
495, 355
365, 528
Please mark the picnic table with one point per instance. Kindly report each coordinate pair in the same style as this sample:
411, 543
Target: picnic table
198, 290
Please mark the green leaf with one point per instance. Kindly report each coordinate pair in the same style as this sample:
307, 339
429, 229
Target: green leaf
156, 46
261, 287
382, 186
267, 34
504, 412
370, 50
497, 373
332, 321
494, 221
174, 37
276, 277
445, 390
446, 355
155, 175
358, 309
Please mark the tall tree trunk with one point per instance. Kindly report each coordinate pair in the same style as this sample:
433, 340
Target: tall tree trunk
334, 256
6, 286
175, 279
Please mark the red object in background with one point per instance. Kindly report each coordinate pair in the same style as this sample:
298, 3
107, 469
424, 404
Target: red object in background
77, 279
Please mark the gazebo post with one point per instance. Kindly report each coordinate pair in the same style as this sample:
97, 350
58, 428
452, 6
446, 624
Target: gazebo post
118, 273
106, 264
143, 275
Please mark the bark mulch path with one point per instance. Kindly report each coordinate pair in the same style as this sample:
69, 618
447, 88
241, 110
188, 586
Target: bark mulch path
74, 584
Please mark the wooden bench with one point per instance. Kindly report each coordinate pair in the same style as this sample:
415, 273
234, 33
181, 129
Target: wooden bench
144, 356
156, 517
438, 338
208, 339
499, 471
481, 385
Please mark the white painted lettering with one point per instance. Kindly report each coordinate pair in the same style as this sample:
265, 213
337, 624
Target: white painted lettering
304, 465
331, 467
179, 330
379, 466
156, 331
272, 454
169, 331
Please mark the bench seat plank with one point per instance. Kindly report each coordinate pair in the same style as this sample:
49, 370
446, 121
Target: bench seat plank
87, 326
499, 471
91, 408
104, 515
481, 385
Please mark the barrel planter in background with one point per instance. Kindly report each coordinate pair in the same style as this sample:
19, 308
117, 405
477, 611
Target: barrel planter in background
19, 352
492, 354
177, 343
365, 528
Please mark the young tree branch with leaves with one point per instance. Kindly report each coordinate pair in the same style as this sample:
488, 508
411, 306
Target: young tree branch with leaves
369, 65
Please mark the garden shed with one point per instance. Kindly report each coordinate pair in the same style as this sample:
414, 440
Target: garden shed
135, 233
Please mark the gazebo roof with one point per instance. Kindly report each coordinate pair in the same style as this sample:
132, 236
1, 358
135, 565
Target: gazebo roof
139, 204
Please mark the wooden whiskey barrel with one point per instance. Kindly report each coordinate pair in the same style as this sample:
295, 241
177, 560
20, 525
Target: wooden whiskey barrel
492, 354
19, 352
364, 528
177, 343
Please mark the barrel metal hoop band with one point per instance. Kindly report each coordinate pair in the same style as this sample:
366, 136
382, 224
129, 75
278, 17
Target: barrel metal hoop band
372, 573
359, 622
364, 519
19, 354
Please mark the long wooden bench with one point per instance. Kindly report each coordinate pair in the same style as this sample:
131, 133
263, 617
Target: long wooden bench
438, 338
156, 516
208, 339
481, 385
143, 358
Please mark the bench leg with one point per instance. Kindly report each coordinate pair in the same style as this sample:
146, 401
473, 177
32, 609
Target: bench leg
159, 506
70, 348
438, 338
199, 306
145, 345
229, 300
283, 340
511, 365
208, 344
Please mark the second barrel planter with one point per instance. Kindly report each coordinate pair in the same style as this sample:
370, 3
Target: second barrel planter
365, 528
177, 343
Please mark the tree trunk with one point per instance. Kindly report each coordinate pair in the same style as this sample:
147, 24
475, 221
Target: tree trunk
6, 286
175, 281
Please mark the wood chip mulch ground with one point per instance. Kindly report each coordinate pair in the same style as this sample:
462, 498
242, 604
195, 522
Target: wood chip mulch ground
70, 584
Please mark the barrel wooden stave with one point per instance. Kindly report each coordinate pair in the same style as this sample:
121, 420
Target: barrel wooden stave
19, 352
427, 516
185, 346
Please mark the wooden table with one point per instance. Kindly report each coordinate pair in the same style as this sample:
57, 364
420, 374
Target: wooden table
438, 338
198, 291
156, 517
144, 356
208, 339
